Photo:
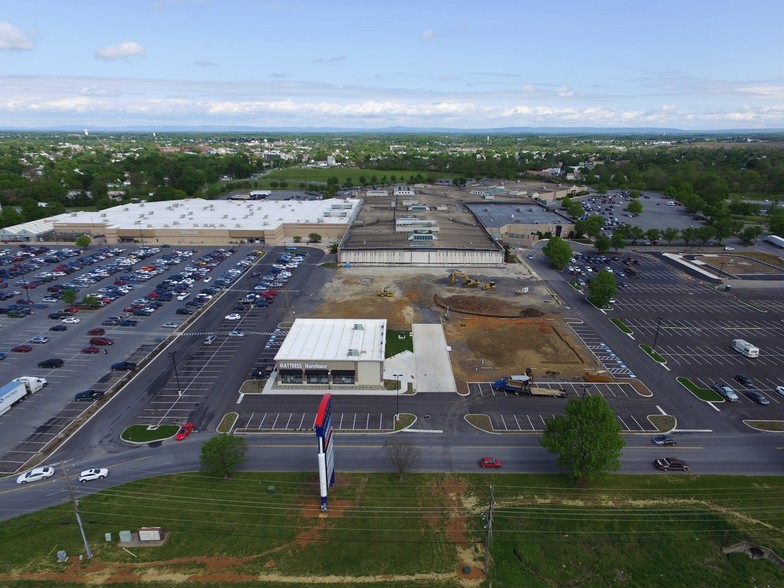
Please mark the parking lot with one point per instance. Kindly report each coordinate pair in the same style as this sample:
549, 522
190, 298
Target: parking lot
115, 332
509, 413
692, 325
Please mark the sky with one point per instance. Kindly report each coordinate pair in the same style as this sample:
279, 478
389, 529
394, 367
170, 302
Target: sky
368, 64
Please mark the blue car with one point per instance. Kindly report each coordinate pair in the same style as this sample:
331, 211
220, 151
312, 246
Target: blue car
2, 355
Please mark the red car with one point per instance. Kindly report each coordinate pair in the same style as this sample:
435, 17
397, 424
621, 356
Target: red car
96, 332
184, 431
489, 462
70, 310
22, 349
91, 349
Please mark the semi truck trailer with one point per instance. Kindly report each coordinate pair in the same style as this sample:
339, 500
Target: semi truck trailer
522, 385
17, 390
777, 241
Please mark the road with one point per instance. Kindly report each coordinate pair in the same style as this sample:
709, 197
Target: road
440, 452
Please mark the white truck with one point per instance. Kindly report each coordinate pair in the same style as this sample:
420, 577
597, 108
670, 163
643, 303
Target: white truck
777, 241
17, 389
745, 348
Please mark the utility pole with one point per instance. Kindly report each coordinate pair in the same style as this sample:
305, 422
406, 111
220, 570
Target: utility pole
489, 534
87, 549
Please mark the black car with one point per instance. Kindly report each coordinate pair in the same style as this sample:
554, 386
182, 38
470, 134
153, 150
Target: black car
53, 362
57, 315
89, 395
745, 380
183, 310
111, 322
123, 366
758, 398
128, 323
663, 440
58, 328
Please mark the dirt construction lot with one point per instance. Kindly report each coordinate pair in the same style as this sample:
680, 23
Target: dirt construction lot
491, 332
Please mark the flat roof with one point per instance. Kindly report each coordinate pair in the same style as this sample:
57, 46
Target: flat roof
195, 213
334, 339
498, 214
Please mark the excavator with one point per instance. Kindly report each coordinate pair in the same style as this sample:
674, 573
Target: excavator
469, 281
385, 292
488, 286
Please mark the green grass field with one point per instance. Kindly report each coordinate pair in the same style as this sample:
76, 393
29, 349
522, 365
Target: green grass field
295, 175
657, 530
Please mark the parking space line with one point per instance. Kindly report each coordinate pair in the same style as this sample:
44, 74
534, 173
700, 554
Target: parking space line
519, 428
276, 420
530, 422
625, 426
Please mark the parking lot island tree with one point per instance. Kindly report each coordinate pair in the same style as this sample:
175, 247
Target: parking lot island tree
602, 244
221, 455
558, 252
587, 439
602, 288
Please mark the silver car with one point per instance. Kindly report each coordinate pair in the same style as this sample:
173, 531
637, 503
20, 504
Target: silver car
727, 392
35, 475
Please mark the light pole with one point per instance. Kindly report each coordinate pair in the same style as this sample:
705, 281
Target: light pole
585, 390
659, 319
397, 395
176, 375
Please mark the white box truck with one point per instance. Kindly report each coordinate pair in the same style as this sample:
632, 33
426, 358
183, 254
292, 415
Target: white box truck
745, 348
17, 389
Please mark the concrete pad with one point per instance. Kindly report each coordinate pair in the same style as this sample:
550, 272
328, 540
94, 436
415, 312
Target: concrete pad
433, 365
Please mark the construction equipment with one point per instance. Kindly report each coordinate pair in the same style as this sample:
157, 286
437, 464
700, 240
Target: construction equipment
469, 281
456, 275
385, 292
488, 286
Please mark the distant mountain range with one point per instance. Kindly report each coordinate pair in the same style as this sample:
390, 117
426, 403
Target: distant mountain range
647, 131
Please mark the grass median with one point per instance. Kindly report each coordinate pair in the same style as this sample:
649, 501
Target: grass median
425, 530
705, 394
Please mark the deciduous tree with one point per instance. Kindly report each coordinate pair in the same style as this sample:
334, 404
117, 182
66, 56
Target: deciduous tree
587, 439
402, 453
221, 455
558, 252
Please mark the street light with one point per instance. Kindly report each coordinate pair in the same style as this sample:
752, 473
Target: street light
397, 395
585, 390
176, 375
659, 319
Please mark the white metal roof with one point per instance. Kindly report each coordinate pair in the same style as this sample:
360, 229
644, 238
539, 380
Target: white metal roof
30, 228
195, 213
334, 339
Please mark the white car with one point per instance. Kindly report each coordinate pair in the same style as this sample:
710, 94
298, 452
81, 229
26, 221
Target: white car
236, 333
72, 320
35, 475
93, 474
39, 339
233, 317
171, 325
780, 390
207, 280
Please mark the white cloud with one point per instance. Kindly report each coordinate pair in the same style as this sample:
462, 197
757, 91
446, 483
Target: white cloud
428, 35
97, 90
205, 63
12, 39
336, 59
119, 51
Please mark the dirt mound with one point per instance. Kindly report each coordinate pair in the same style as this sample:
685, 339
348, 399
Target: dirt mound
484, 305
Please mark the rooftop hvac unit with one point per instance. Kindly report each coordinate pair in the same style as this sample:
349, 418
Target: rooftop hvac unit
221, 225
73, 214
176, 223
125, 209
137, 222
225, 216
103, 214
359, 327
165, 226
149, 226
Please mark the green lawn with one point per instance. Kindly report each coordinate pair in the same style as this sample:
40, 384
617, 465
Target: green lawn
398, 342
705, 394
545, 532
651, 530
144, 434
